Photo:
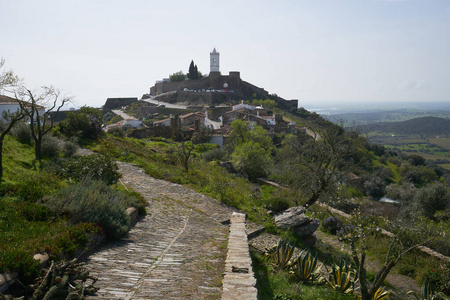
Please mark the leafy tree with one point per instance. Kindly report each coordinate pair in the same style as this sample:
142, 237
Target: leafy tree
316, 166
41, 109
84, 124
251, 149
266, 103
416, 160
252, 159
178, 76
375, 186
431, 199
242, 132
403, 192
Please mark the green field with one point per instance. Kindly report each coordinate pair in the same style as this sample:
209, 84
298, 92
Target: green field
434, 149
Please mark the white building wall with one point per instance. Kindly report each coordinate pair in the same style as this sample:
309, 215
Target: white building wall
11, 107
214, 61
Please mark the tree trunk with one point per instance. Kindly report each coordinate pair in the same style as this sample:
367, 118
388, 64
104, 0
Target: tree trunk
312, 199
380, 277
1, 158
37, 149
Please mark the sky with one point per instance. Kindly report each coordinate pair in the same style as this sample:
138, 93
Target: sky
316, 51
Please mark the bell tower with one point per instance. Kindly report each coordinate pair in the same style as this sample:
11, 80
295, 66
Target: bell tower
214, 61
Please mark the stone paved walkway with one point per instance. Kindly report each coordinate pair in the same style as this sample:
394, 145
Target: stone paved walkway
176, 252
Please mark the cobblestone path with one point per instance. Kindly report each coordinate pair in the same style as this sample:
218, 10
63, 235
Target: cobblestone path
176, 252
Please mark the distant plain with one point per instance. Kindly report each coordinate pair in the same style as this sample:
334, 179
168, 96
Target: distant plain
433, 144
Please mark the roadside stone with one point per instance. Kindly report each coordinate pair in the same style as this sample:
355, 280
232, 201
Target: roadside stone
309, 240
307, 228
291, 217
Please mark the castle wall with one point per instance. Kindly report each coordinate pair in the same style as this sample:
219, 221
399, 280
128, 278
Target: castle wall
164, 87
214, 80
243, 90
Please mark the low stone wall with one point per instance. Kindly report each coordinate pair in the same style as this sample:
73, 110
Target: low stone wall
156, 131
238, 281
390, 234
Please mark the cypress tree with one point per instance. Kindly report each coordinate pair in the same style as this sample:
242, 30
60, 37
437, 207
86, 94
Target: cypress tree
196, 72
192, 71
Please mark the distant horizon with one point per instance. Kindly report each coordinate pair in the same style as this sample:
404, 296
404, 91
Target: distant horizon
346, 107
299, 49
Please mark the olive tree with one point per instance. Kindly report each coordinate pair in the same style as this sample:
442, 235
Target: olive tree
316, 164
251, 149
41, 109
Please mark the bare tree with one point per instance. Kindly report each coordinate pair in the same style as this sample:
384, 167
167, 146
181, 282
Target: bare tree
7, 78
41, 110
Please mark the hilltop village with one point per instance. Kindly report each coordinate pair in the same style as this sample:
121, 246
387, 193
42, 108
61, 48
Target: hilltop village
187, 103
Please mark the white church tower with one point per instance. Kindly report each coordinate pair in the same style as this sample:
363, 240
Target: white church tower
214, 61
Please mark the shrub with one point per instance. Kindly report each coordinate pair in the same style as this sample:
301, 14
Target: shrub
117, 131
431, 199
84, 124
34, 188
33, 211
21, 131
214, 155
277, 204
20, 260
332, 225
95, 166
93, 202
50, 146
70, 147
75, 238
6, 188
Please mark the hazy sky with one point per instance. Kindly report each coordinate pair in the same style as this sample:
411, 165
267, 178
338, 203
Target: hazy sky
312, 50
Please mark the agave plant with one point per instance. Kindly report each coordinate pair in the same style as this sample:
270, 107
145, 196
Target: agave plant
341, 278
380, 293
428, 292
282, 253
304, 266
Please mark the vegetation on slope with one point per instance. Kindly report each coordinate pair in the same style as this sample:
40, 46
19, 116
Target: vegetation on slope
429, 126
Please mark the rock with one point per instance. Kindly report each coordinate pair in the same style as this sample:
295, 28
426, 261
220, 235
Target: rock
309, 240
291, 218
307, 228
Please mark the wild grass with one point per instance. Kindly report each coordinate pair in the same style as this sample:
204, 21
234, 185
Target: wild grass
27, 225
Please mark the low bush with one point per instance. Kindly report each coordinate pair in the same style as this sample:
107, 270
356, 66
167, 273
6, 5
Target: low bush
332, 225
70, 147
50, 146
21, 131
93, 202
95, 166
33, 211
28, 228
85, 124
117, 131
277, 204
34, 188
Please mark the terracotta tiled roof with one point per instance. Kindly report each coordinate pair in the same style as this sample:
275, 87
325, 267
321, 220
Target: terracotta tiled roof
5, 100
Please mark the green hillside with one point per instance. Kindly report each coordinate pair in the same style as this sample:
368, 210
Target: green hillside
430, 126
